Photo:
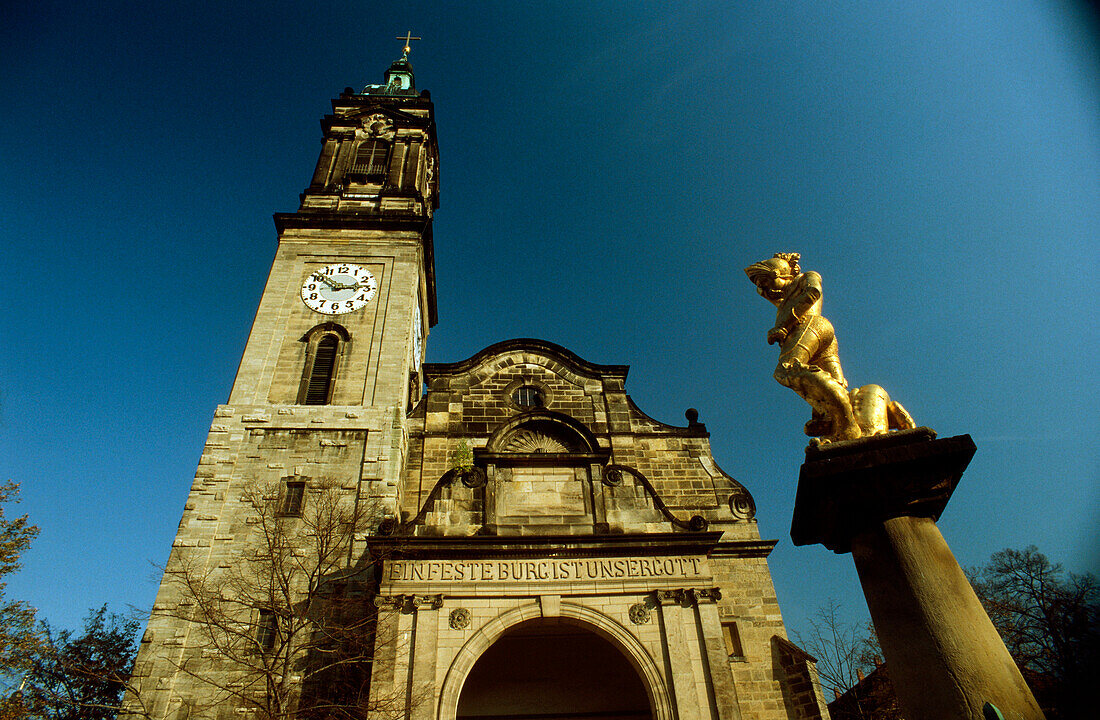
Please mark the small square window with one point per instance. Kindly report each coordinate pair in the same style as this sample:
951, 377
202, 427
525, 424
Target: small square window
293, 497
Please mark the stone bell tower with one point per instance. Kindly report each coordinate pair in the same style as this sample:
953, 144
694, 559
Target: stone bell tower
330, 369
338, 339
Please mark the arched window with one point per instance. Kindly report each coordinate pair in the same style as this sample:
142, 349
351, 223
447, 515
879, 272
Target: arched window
370, 159
325, 344
319, 388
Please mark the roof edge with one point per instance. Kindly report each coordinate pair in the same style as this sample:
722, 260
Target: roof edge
567, 357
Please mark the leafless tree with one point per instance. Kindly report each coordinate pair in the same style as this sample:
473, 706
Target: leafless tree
840, 648
286, 628
1049, 620
846, 653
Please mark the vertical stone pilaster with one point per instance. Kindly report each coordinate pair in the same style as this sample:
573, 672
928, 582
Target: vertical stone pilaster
423, 682
714, 654
489, 499
386, 690
402, 666
678, 625
599, 501
404, 671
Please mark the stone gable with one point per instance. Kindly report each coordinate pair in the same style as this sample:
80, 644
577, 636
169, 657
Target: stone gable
546, 464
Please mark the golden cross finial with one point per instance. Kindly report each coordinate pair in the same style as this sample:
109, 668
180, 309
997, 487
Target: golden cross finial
409, 37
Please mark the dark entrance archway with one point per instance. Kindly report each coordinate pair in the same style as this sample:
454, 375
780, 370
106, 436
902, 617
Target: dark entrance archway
544, 670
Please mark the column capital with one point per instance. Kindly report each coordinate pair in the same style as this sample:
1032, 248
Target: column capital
687, 597
846, 488
409, 603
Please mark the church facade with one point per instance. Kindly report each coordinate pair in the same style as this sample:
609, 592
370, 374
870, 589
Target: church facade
519, 540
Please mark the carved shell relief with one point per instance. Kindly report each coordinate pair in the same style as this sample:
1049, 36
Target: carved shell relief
534, 441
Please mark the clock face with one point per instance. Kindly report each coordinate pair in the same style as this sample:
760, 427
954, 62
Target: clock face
338, 288
417, 339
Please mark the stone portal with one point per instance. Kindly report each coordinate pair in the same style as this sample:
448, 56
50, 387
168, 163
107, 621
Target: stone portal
553, 669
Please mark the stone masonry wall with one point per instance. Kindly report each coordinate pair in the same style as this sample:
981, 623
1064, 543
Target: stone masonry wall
472, 402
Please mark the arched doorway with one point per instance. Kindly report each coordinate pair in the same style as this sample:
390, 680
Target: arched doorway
553, 670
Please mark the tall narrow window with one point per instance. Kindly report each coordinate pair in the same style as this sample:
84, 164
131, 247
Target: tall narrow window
733, 640
370, 159
292, 498
267, 628
325, 347
319, 388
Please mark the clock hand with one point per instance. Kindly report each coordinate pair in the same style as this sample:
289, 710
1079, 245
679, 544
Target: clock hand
327, 281
352, 286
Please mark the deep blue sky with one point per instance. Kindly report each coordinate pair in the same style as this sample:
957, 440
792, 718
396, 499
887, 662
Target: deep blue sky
607, 170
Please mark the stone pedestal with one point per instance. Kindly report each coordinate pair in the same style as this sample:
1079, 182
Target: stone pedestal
879, 498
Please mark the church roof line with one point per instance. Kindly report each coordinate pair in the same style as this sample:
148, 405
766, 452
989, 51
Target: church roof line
543, 347
694, 429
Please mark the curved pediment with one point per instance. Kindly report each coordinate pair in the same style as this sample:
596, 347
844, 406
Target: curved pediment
554, 445
504, 354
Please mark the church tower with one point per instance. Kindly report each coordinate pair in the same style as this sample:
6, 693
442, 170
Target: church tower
521, 540
338, 339
317, 410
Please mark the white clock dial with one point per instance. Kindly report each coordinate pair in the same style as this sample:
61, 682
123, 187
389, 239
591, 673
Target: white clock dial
338, 288
418, 339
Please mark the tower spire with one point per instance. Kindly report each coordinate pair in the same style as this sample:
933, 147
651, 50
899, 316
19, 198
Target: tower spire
399, 77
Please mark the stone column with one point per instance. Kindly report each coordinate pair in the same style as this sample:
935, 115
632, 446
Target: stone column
879, 498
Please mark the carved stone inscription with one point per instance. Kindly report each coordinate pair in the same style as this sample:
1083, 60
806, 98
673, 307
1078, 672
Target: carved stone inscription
543, 570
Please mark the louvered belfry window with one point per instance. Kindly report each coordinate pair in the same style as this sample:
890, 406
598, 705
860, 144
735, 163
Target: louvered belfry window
370, 158
320, 375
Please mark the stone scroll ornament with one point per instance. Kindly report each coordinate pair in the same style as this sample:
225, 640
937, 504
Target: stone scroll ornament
808, 360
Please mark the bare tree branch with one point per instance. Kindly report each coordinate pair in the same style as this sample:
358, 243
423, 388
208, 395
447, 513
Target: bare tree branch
288, 628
